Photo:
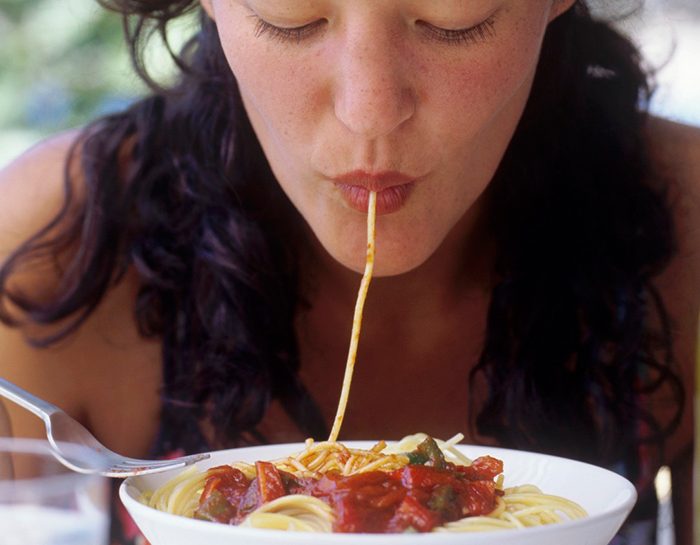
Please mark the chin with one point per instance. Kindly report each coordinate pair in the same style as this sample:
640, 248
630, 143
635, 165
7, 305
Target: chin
386, 263
400, 248
394, 269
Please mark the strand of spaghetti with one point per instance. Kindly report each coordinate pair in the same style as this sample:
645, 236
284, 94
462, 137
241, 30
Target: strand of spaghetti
357, 318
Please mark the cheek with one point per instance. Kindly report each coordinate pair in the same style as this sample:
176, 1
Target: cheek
281, 101
481, 91
476, 91
278, 98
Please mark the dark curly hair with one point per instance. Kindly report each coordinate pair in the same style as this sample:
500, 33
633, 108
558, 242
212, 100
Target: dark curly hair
577, 336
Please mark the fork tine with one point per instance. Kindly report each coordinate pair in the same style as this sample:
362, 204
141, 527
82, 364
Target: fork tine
186, 460
123, 473
132, 462
132, 466
129, 471
193, 458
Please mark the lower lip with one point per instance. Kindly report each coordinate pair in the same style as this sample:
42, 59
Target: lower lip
389, 200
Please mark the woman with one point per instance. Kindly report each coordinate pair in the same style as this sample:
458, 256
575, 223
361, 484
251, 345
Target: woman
191, 285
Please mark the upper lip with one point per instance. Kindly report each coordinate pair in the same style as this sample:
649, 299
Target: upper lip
374, 181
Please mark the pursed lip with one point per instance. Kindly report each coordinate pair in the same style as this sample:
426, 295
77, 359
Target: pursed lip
374, 181
393, 189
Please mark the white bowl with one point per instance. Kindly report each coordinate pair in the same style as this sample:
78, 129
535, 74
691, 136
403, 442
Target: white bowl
607, 497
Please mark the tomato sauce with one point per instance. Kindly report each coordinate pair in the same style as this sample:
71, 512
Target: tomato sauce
417, 497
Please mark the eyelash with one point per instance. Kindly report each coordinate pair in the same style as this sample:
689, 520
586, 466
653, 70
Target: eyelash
284, 34
472, 35
478, 33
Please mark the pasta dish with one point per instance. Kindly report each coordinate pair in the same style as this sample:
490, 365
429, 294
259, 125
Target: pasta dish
420, 484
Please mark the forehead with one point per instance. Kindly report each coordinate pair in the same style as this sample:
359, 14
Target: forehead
446, 5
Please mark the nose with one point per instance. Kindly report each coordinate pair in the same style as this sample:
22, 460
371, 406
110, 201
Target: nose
373, 95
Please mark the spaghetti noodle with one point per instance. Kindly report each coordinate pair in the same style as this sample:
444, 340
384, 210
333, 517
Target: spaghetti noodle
357, 317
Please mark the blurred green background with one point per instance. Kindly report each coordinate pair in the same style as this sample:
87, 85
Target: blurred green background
62, 63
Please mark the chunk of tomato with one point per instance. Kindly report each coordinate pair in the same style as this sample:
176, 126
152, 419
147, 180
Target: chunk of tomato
483, 468
424, 477
269, 482
479, 499
412, 514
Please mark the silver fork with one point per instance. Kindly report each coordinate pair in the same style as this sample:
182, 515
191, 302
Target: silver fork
63, 433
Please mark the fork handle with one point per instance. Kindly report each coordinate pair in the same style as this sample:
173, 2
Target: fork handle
43, 409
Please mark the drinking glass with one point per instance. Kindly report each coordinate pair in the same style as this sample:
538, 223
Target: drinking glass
44, 503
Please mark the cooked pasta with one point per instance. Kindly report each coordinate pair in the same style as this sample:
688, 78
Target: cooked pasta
323, 469
357, 317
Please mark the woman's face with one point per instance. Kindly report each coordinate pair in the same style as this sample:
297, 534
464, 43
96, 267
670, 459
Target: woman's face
416, 100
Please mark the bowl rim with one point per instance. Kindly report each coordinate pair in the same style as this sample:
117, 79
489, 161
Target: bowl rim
127, 496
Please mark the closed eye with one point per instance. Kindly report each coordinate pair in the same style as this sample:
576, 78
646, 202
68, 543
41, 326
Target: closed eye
471, 35
287, 34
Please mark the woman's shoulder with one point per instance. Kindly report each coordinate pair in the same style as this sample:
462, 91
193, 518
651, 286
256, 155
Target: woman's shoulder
105, 361
33, 188
675, 152
45, 160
